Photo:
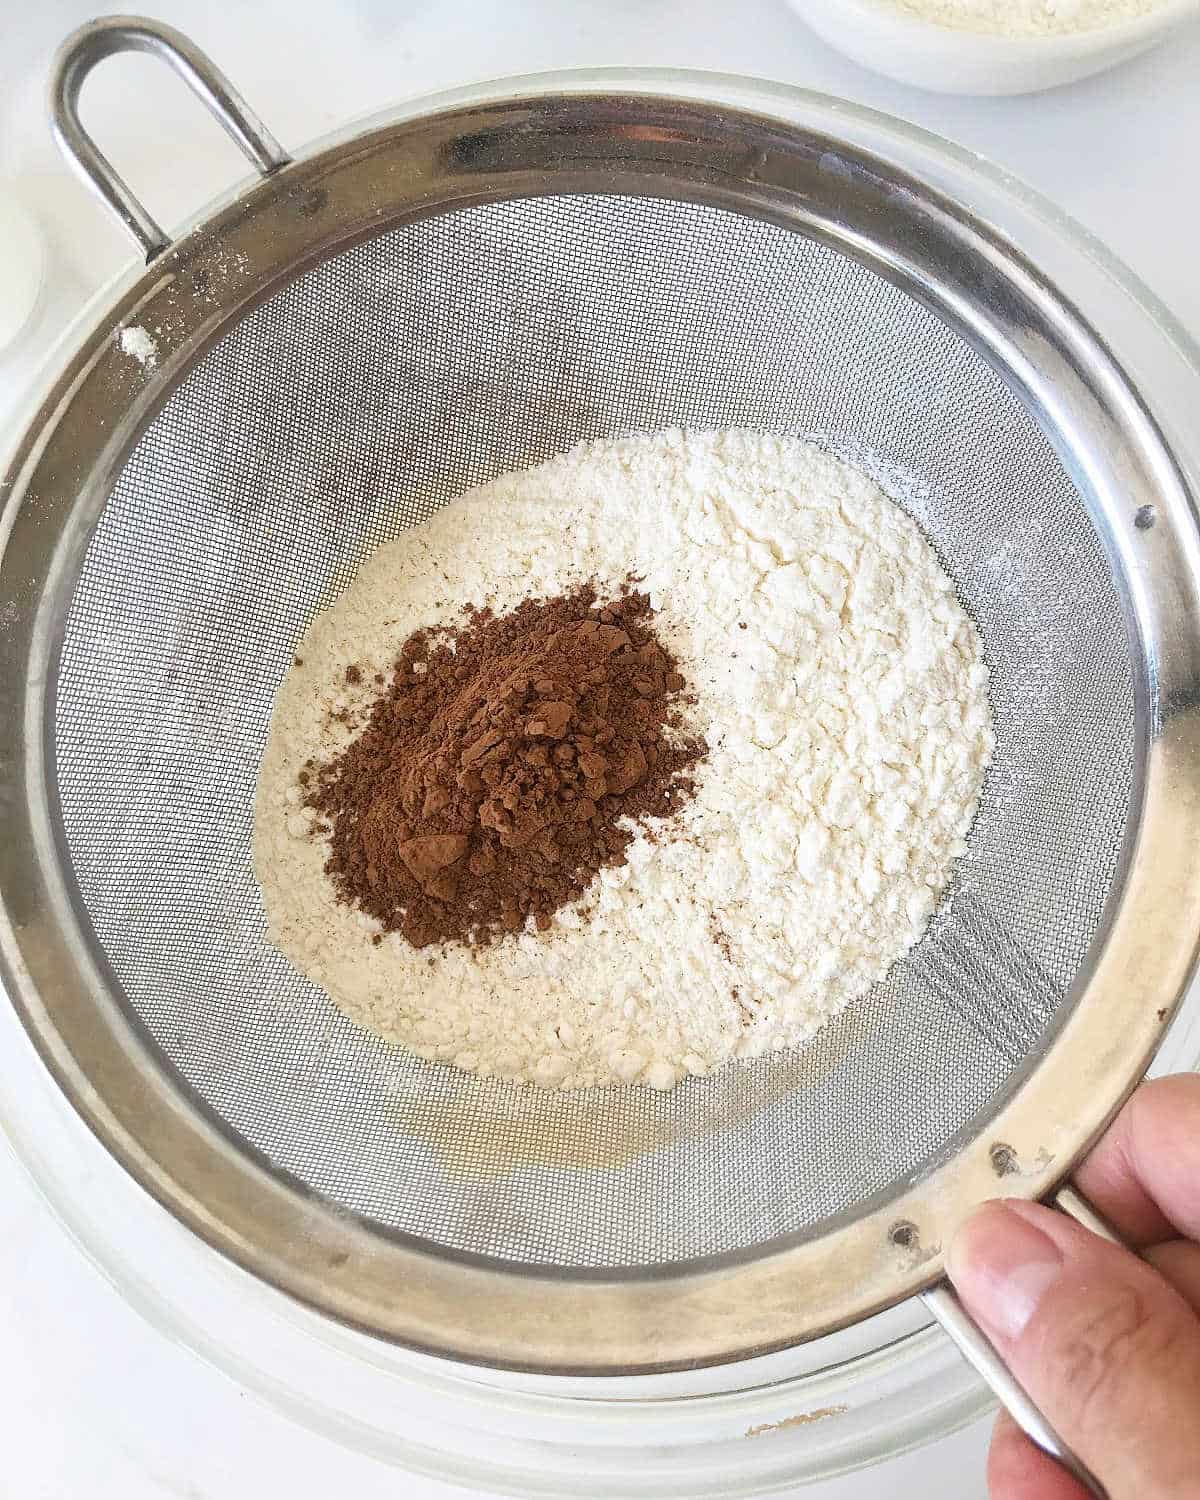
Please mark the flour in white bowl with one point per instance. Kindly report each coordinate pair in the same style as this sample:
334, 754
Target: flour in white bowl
842, 692
1026, 17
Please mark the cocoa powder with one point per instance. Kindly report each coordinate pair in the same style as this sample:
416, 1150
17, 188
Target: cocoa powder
487, 784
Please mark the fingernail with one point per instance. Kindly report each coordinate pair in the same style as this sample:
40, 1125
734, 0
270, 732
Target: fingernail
1002, 1266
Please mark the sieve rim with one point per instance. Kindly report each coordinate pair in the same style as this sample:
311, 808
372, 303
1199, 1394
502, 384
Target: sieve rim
484, 1312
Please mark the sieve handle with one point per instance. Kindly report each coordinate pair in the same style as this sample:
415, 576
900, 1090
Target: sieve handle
91, 44
979, 1351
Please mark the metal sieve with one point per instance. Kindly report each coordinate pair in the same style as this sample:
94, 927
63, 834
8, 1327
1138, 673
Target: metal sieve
336, 352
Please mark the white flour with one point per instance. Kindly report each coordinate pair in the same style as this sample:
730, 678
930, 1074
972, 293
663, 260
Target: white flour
1026, 17
138, 344
843, 695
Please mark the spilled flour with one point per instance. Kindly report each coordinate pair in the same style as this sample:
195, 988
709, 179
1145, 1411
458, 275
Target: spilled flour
138, 344
842, 693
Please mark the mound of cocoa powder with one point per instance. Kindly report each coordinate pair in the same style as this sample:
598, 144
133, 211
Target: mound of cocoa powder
488, 781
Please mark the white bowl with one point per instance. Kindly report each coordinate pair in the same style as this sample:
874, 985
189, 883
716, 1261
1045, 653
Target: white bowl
951, 61
22, 265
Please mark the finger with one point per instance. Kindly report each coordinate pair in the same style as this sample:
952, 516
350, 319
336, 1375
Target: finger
1143, 1175
1179, 1262
1106, 1348
1019, 1470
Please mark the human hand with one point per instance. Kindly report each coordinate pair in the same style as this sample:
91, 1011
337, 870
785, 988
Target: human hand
1107, 1345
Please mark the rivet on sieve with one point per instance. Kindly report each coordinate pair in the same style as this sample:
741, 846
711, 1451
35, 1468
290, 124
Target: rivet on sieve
1004, 1159
905, 1234
1145, 517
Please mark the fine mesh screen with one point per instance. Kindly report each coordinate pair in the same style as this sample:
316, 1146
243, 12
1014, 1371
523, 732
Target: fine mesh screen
349, 406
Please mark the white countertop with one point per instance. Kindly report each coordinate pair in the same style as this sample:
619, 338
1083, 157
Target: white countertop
96, 1402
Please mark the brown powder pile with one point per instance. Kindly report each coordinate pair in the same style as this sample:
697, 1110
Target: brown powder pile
489, 779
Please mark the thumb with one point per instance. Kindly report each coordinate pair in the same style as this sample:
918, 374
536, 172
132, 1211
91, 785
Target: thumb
1107, 1349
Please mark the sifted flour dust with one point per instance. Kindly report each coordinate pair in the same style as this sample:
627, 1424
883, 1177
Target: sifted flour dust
841, 691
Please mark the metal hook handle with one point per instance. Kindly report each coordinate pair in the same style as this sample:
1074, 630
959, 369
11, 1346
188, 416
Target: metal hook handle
99, 39
979, 1351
